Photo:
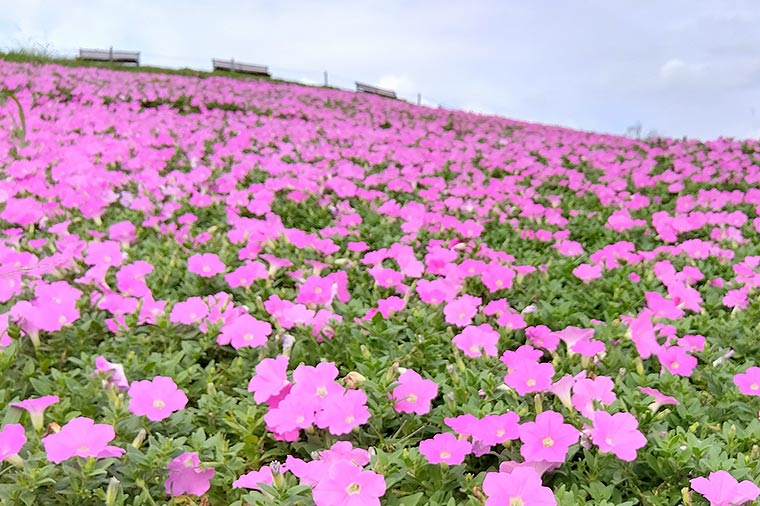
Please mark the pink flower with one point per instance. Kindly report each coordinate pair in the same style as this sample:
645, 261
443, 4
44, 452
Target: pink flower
748, 381
246, 274
345, 451
253, 479
461, 310
548, 438
530, 377
292, 413
36, 408
316, 290
497, 277
348, 485
445, 448
245, 330
114, 373
586, 391
476, 340
206, 265
157, 399
587, 272
677, 361
342, 412
722, 489
81, 437
12, 438
618, 434
413, 394
662, 307
190, 311
520, 487
660, 399
270, 379
495, 429
103, 254
187, 476
130, 279
316, 381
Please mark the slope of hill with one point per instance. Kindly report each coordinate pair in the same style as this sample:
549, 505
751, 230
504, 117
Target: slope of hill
354, 300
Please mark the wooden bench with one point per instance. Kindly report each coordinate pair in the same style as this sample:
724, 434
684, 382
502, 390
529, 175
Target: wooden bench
366, 88
110, 55
245, 68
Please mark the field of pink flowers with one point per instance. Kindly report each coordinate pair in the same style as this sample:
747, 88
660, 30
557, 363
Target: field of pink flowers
225, 292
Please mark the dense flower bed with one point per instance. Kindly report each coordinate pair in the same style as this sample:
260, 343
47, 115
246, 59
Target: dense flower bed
237, 292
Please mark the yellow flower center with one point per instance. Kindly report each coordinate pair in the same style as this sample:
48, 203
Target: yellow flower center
548, 442
516, 501
411, 398
445, 455
353, 489
754, 386
531, 382
158, 403
317, 290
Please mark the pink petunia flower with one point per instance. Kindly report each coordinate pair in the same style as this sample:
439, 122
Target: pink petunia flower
618, 434
748, 381
495, 429
660, 399
81, 437
548, 438
245, 330
413, 394
586, 391
187, 476
722, 489
348, 485
114, 373
36, 408
157, 399
342, 412
587, 272
246, 274
461, 310
253, 479
677, 361
520, 487
530, 377
476, 340
12, 438
445, 448
188, 312
206, 265
270, 380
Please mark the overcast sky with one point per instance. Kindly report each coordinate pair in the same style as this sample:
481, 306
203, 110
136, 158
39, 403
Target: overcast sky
680, 67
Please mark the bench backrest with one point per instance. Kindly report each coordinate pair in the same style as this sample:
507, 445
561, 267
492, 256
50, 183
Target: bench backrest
246, 68
110, 55
366, 88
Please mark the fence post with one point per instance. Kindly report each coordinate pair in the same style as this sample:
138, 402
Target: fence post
419, 98
326, 79
110, 53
